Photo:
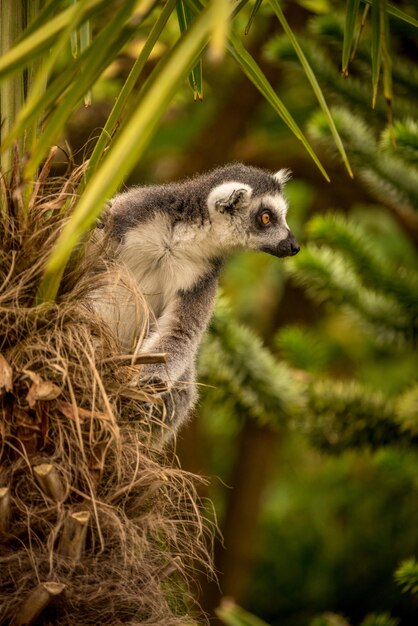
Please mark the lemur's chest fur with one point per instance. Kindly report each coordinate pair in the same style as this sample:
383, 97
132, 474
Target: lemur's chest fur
166, 258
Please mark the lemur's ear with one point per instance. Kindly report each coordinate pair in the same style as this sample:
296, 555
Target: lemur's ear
282, 176
229, 197
232, 202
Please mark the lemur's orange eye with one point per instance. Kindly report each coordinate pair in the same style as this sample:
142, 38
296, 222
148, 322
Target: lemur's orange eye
265, 217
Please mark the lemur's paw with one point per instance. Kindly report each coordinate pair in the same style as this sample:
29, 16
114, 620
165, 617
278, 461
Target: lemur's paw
156, 376
160, 413
156, 382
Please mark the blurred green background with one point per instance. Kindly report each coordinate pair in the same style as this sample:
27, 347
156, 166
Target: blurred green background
307, 425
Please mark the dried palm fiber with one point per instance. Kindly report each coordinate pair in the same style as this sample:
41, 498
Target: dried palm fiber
96, 526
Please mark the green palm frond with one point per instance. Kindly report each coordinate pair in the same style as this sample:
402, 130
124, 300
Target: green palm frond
351, 14
51, 28
329, 29
112, 121
185, 17
313, 81
130, 143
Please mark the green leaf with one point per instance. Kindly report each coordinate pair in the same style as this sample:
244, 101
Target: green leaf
351, 13
38, 101
12, 90
370, 263
41, 78
360, 31
245, 373
85, 35
34, 107
31, 46
220, 29
343, 415
255, 74
401, 15
114, 116
74, 43
406, 139
85, 41
38, 18
398, 13
128, 146
197, 79
387, 69
47, 101
233, 615
314, 83
105, 47
185, 18
379, 619
386, 56
254, 12
376, 50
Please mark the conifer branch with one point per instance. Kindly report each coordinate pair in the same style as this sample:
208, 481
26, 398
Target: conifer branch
391, 179
234, 360
407, 576
327, 276
406, 139
341, 90
379, 619
304, 349
407, 409
330, 28
343, 415
368, 261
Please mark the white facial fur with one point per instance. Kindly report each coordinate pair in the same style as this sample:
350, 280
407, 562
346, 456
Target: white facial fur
275, 232
238, 227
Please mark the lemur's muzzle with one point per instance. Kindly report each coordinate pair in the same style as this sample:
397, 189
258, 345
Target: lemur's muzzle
286, 247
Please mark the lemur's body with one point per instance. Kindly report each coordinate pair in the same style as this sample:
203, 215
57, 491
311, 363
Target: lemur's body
173, 239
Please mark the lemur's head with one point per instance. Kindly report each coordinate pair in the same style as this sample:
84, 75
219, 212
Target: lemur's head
253, 212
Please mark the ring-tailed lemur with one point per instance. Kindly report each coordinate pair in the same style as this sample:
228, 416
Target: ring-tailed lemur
173, 239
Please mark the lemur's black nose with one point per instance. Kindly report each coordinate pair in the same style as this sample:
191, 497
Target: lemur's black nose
294, 248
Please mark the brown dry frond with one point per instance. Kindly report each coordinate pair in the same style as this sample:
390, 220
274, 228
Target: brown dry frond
74, 439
